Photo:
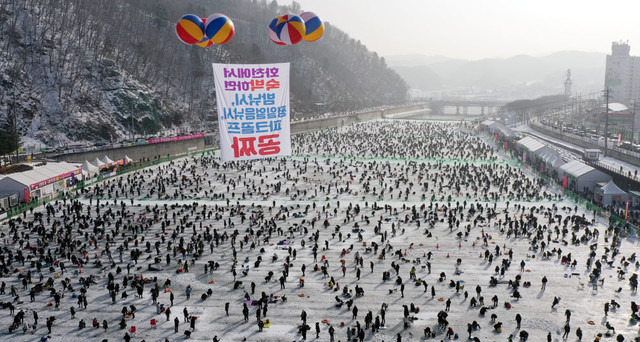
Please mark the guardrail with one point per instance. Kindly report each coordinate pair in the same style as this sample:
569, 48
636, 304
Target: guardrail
610, 168
594, 142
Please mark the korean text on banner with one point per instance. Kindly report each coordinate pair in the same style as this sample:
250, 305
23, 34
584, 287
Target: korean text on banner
253, 110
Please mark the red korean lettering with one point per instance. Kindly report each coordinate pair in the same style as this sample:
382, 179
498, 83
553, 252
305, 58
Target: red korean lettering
267, 146
273, 84
244, 147
257, 84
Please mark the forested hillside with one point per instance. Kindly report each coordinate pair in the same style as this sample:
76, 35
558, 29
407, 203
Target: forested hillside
77, 69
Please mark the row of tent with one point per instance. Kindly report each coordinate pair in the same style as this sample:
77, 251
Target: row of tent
574, 175
92, 168
495, 127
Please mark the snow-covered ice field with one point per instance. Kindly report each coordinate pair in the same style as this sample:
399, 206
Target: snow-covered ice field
341, 179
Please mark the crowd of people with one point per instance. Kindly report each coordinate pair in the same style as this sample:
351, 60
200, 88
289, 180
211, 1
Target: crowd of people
394, 139
448, 239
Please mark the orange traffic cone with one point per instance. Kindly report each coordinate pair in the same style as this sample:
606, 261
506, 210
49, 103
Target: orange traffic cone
405, 252
437, 246
447, 255
459, 245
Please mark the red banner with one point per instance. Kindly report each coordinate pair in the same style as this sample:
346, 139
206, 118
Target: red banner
626, 212
565, 180
26, 195
180, 138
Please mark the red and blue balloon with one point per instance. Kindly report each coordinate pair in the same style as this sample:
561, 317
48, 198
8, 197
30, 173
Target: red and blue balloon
190, 29
219, 28
216, 29
290, 29
314, 27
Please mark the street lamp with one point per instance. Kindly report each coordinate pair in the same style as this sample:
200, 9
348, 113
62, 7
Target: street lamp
606, 121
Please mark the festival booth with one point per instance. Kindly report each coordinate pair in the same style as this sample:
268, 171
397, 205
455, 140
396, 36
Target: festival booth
492, 127
109, 167
108, 162
488, 125
126, 161
7, 201
89, 170
550, 161
502, 135
495, 127
608, 193
41, 182
532, 150
580, 177
98, 163
506, 132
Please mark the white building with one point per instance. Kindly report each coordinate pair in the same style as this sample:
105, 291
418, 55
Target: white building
41, 182
581, 177
622, 75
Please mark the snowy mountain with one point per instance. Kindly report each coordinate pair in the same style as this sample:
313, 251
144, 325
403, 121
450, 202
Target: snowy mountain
531, 76
89, 70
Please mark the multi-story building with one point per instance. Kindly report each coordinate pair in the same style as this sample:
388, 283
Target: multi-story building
622, 76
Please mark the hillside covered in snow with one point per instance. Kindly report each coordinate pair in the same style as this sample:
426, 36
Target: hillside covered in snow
88, 70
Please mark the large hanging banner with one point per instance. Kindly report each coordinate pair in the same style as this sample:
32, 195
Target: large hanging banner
253, 110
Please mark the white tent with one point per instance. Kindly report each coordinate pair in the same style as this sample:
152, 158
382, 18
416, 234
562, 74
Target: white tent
41, 181
582, 177
611, 192
97, 163
106, 160
128, 160
89, 169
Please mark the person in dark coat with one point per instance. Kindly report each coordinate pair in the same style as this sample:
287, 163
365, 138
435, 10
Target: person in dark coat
567, 329
579, 334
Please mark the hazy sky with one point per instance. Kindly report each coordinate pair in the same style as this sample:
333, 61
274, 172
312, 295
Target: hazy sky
476, 29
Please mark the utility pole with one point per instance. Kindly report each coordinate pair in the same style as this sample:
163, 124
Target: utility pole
606, 121
133, 137
633, 124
